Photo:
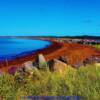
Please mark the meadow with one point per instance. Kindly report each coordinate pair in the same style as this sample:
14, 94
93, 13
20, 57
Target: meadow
83, 82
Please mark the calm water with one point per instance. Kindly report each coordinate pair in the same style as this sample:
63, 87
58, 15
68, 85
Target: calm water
12, 47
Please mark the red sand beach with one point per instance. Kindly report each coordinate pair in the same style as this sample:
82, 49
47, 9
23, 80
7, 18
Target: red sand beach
71, 51
4, 66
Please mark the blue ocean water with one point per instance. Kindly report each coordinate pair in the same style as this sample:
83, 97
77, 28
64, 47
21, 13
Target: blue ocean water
11, 48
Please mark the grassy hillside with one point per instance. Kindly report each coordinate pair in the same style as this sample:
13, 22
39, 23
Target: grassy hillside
84, 82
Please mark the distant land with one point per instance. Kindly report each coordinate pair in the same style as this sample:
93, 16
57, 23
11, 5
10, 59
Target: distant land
72, 37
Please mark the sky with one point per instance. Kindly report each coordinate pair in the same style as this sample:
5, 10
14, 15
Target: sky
49, 17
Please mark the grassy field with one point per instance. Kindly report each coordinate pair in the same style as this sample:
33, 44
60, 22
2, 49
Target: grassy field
83, 82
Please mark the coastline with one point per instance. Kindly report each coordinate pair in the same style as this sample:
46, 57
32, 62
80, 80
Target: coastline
5, 65
73, 53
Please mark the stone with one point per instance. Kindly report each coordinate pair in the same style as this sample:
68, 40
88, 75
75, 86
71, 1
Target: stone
12, 70
28, 65
63, 59
91, 60
77, 65
57, 66
97, 59
42, 62
1, 73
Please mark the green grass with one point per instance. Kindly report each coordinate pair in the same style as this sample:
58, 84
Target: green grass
84, 82
97, 46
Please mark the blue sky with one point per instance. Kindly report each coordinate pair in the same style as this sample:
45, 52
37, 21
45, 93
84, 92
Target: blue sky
50, 17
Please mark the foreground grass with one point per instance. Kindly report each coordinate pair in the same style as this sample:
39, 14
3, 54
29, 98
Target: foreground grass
84, 82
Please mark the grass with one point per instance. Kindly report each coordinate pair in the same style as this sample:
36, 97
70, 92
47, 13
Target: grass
97, 46
83, 82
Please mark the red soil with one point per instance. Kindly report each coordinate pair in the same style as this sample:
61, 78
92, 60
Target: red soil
73, 53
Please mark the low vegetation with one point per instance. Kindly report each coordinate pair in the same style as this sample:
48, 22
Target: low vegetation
83, 82
97, 46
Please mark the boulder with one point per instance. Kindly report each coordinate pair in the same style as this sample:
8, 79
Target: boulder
28, 65
42, 62
57, 66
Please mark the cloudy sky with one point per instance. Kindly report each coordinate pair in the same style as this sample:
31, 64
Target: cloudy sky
50, 17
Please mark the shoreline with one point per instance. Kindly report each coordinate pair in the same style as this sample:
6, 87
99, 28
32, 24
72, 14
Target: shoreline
5, 65
74, 54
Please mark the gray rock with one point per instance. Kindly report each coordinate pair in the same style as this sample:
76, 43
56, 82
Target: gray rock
42, 62
28, 65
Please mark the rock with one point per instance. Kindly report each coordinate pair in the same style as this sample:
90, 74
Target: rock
28, 65
1, 73
57, 66
12, 70
26, 69
77, 65
91, 60
63, 59
42, 62
21, 70
97, 59
35, 63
